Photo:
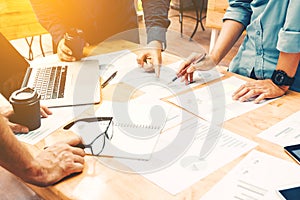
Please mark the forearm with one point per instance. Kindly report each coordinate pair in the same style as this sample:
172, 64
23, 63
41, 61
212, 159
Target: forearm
156, 19
288, 62
230, 33
15, 157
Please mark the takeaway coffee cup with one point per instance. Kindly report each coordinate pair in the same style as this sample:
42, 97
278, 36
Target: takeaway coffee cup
26, 105
74, 40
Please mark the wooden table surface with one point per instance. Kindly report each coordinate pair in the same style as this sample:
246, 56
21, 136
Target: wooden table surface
100, 182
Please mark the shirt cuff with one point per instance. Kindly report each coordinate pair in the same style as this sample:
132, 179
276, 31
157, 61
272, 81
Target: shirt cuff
156, 33
238, 15
288, 41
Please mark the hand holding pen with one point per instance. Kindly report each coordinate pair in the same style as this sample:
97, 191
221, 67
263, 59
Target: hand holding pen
195, 61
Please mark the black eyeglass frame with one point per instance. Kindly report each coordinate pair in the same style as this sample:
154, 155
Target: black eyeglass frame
94, 119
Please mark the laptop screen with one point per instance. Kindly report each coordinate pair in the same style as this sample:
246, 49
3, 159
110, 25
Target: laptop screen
13, 68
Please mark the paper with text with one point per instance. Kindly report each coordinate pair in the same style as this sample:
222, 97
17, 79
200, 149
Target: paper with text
285, 132
130, 73
59, 117
215, 98
257, 176
181, 175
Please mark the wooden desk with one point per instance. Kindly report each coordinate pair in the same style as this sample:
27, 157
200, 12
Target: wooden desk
17, 20
215, 12
100, 182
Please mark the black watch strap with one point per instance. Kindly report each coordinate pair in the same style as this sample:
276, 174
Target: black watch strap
279, 77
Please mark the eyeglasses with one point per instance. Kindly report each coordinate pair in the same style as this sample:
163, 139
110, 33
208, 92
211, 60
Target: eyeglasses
97, 144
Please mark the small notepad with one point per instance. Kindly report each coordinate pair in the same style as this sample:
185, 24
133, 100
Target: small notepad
135, 130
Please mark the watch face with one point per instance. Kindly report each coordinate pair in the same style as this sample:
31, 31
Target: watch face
279, 78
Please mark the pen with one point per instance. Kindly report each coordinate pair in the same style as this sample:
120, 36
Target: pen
109, 79
184, 69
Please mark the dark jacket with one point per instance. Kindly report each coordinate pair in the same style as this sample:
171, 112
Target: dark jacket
101, 19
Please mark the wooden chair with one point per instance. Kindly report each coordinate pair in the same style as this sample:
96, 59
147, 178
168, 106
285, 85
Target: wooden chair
18, 20
198, 6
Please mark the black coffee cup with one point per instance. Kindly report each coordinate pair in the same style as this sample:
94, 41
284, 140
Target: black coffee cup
74, 40
26, 105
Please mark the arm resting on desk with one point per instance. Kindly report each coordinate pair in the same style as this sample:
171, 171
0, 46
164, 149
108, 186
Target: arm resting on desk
50, 165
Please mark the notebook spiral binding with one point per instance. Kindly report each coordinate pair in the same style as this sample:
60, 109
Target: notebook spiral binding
129, 125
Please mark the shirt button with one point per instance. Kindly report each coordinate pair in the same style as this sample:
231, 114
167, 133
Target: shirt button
259, 52
257, 32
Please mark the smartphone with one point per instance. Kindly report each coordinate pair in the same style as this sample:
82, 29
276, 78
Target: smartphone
291, 192
294, 152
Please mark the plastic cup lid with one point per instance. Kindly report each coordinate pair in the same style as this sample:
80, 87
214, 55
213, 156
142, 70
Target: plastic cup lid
23, 95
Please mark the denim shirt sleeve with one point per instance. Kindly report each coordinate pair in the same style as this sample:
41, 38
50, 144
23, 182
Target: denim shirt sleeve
239, 10
289, 34
156, 19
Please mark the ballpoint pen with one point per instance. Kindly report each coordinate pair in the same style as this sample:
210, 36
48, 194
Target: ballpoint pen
184, 69
109, 79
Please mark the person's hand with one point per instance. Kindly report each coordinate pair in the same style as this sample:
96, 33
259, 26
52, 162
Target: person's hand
191, 64
64, 52
258, 90
58, 161
7, 112
150, 57
45, 111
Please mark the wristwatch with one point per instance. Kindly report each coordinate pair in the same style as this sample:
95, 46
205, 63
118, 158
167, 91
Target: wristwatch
279, 77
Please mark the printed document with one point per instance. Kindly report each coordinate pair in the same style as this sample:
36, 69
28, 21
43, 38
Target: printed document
185, 170
285, 132
130, 73
257, 176
216, 99
60, 116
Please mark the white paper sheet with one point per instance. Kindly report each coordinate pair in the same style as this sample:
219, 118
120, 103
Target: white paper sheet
256, 177
137, 126
128, 72
285, 132
60, 117
216, 99
183, 173
106, 61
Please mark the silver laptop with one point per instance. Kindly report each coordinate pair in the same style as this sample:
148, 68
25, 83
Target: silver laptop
58, 83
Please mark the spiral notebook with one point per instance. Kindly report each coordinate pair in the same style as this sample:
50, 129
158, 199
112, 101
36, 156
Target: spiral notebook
132, 132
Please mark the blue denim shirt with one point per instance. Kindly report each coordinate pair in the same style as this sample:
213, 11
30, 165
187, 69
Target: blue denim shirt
271, 26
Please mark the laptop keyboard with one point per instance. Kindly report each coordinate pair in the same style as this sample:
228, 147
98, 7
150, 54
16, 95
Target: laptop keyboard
50, 82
